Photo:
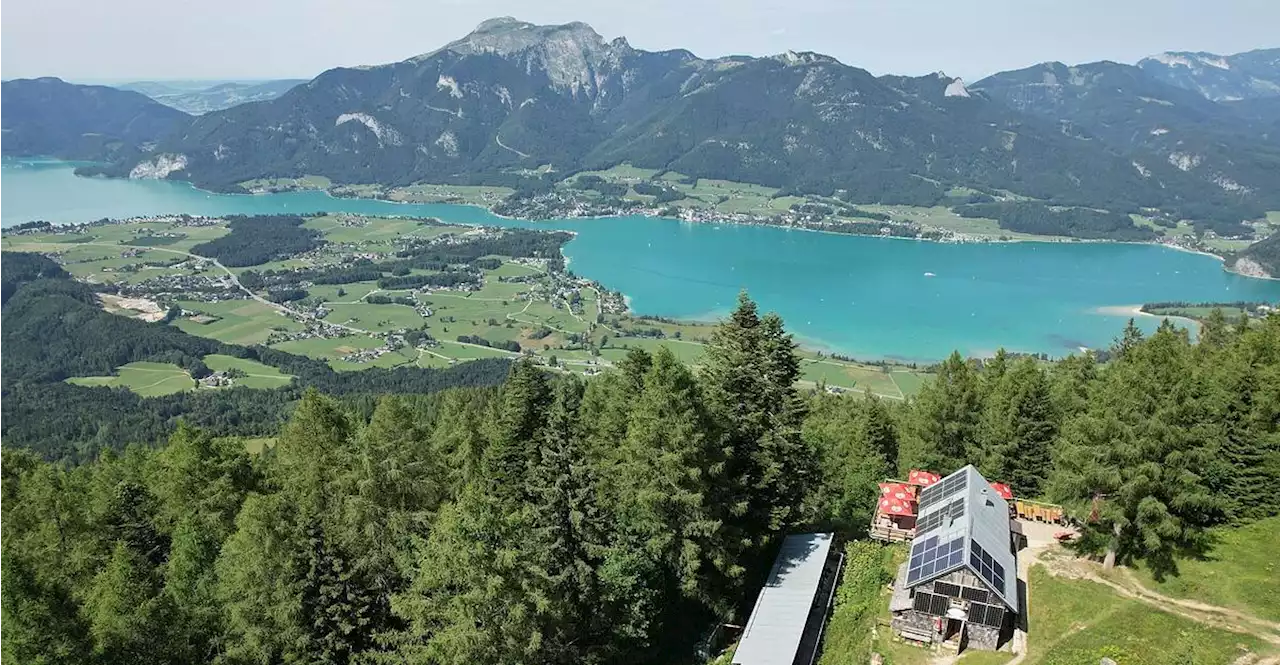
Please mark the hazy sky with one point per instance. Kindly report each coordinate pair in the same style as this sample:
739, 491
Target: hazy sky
172, 39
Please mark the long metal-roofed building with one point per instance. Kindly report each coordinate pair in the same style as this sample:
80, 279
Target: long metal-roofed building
959, 586
786, 624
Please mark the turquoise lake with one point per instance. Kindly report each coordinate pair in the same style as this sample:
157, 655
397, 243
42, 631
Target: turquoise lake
867, 297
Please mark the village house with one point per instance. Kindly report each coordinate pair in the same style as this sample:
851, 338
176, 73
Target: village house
959, 588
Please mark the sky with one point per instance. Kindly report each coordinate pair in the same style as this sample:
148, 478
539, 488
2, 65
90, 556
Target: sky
119, 40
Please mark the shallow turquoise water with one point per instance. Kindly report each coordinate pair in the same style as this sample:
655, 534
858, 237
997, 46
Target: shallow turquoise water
867, 297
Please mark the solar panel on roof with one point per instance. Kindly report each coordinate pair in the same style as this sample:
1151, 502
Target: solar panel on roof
929, 522
927, 561
986, 567
949, 487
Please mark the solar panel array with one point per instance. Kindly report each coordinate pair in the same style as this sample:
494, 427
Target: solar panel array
987, 615
975, 595
984, 565
948, 488
930, 603
931, 556
941, 516
947, 589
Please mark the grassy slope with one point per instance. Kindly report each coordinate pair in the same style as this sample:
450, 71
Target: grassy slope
1072, 621
145, 378
1242, 572
1076, 621
257, 375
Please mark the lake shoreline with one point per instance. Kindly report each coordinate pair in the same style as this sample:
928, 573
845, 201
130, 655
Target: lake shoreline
865, 299
654, 214
960, 239
1136, 311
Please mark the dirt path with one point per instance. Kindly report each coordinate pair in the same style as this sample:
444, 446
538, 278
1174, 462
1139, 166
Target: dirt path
1122, 581
498, 139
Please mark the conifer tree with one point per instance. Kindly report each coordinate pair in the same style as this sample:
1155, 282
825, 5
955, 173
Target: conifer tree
258, 585
1131, 468
42, 621
671, 465
313, 450
856, 439
128, 617
457, 440
515, 426
942, 432
749, 375
568, 536
1018, 429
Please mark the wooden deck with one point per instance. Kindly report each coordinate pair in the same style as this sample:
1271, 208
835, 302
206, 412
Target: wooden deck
891, 534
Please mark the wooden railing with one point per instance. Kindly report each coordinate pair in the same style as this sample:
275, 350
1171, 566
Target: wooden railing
1037, 511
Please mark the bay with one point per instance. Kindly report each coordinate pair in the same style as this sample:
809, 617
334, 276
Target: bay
866, 297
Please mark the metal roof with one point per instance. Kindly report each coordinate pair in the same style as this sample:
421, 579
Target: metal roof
964, 523
778, 622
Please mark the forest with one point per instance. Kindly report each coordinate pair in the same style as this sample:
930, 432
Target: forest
555, 520
1072, 222
259, 239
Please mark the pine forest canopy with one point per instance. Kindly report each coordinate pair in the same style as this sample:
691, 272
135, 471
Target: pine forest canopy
555, 520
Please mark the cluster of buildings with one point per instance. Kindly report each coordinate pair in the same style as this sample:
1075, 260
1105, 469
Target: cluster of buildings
958, 588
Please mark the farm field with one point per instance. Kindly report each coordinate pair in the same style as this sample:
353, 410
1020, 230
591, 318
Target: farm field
533, 313
850, 376
331, 349
303, 182
386, 360
367, 231
944, 218
354, 292
147, 379
1196, 312
468, 194
257, 375
381, 318
256, 445
237, 321
688, 352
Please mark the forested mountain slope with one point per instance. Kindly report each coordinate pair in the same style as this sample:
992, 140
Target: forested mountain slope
53, 118
1249, 75
54, 329
512, 97
1170, 134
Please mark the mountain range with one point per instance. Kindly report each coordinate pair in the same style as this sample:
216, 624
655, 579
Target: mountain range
196, 97
513, 102
50, 117
1242, 76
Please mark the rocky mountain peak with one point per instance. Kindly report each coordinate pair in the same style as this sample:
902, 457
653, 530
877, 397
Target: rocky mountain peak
571, 54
